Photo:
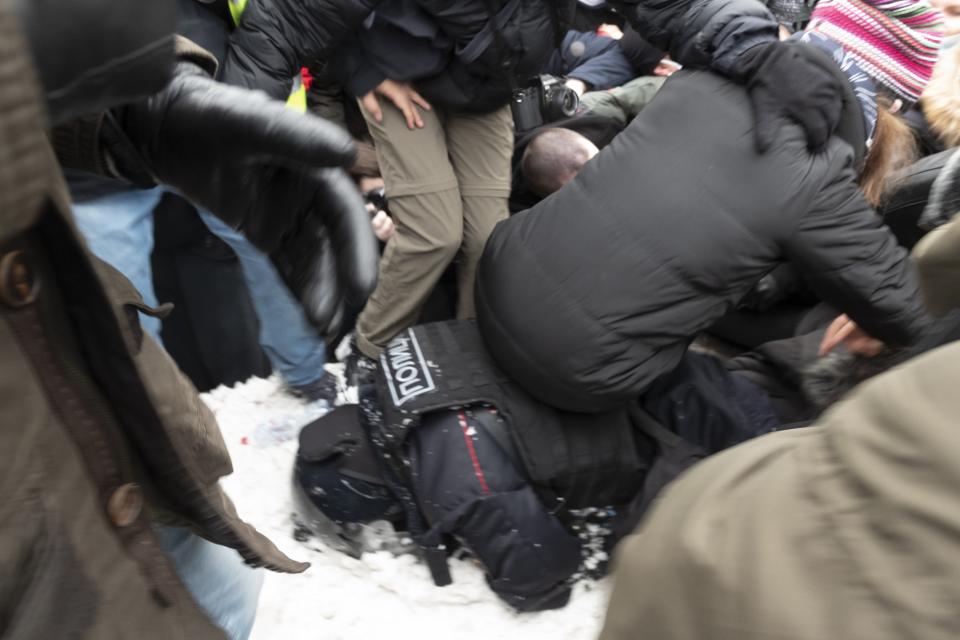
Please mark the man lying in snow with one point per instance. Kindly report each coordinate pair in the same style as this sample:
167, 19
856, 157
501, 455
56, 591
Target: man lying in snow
461, 453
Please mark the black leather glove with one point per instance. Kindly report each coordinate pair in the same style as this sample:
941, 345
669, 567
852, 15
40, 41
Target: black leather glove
329, 271
781, 81
260, 167
232, 151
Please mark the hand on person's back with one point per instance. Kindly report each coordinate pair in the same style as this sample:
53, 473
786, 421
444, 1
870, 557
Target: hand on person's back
783, 82
845, 331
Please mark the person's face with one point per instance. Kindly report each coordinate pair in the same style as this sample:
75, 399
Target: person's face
951, 15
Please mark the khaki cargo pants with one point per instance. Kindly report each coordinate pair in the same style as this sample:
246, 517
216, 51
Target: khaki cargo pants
448, 185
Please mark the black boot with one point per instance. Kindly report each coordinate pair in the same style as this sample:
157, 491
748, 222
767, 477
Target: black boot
359, 368
325, 388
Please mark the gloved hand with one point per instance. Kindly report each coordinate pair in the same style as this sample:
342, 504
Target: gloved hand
782, 82
232, 151
260, 167
323, 264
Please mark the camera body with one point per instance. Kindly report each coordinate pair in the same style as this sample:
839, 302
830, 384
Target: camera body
544, 99
378, 198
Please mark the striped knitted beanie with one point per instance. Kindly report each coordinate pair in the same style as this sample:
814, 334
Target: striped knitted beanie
894, 41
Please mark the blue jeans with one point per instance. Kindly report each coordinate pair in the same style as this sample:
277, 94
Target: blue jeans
225, 588
119, 230
295, 350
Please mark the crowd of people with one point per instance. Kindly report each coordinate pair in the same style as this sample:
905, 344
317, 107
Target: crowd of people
686, 272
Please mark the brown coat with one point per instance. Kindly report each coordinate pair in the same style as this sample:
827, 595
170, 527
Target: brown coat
101, 435
938, 261
846, 530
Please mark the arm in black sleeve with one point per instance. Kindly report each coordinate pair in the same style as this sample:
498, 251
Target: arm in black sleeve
852, 261
702, 33
643, 56
355, 71
739, 38
206, 24
275, 38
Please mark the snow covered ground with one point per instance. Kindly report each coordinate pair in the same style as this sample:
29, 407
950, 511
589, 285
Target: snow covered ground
380, 595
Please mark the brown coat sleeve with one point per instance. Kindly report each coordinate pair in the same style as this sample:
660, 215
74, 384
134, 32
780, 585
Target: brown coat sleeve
79, 143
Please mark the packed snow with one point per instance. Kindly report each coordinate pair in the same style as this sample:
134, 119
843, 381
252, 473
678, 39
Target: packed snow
380, 595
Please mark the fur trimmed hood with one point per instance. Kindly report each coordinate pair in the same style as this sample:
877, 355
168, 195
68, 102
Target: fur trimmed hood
941, 100
831, 377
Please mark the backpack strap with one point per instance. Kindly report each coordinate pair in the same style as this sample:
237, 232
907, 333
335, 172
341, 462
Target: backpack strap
491, 33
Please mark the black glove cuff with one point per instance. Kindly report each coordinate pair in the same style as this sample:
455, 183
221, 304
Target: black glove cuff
77, 144
121, 155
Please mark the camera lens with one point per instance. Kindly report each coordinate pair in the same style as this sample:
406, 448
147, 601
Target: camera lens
569, 102
561, 102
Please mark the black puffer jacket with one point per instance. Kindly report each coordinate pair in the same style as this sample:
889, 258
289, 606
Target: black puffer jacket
701, 33
588, 297
276, 38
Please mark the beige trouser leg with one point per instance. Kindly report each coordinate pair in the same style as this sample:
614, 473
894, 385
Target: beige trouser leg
480, 147
425, 205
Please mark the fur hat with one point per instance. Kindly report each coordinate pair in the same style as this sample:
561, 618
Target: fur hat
830, 378
941, 100
895, 41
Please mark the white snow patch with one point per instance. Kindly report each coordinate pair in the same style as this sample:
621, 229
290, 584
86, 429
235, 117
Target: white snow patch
379, 595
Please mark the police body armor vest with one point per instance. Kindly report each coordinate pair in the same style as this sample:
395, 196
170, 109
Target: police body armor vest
573, 460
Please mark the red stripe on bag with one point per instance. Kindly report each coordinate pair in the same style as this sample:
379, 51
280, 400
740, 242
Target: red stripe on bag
477, 471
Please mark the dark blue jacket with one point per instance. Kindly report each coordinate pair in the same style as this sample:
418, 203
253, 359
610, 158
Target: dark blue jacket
596, 60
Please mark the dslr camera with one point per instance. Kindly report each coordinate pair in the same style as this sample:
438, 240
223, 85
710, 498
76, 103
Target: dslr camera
544, 99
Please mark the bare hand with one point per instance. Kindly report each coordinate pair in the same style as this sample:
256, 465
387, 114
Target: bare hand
845, 331
579, 86
403, 96
666, 68
610, 31
383, 226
